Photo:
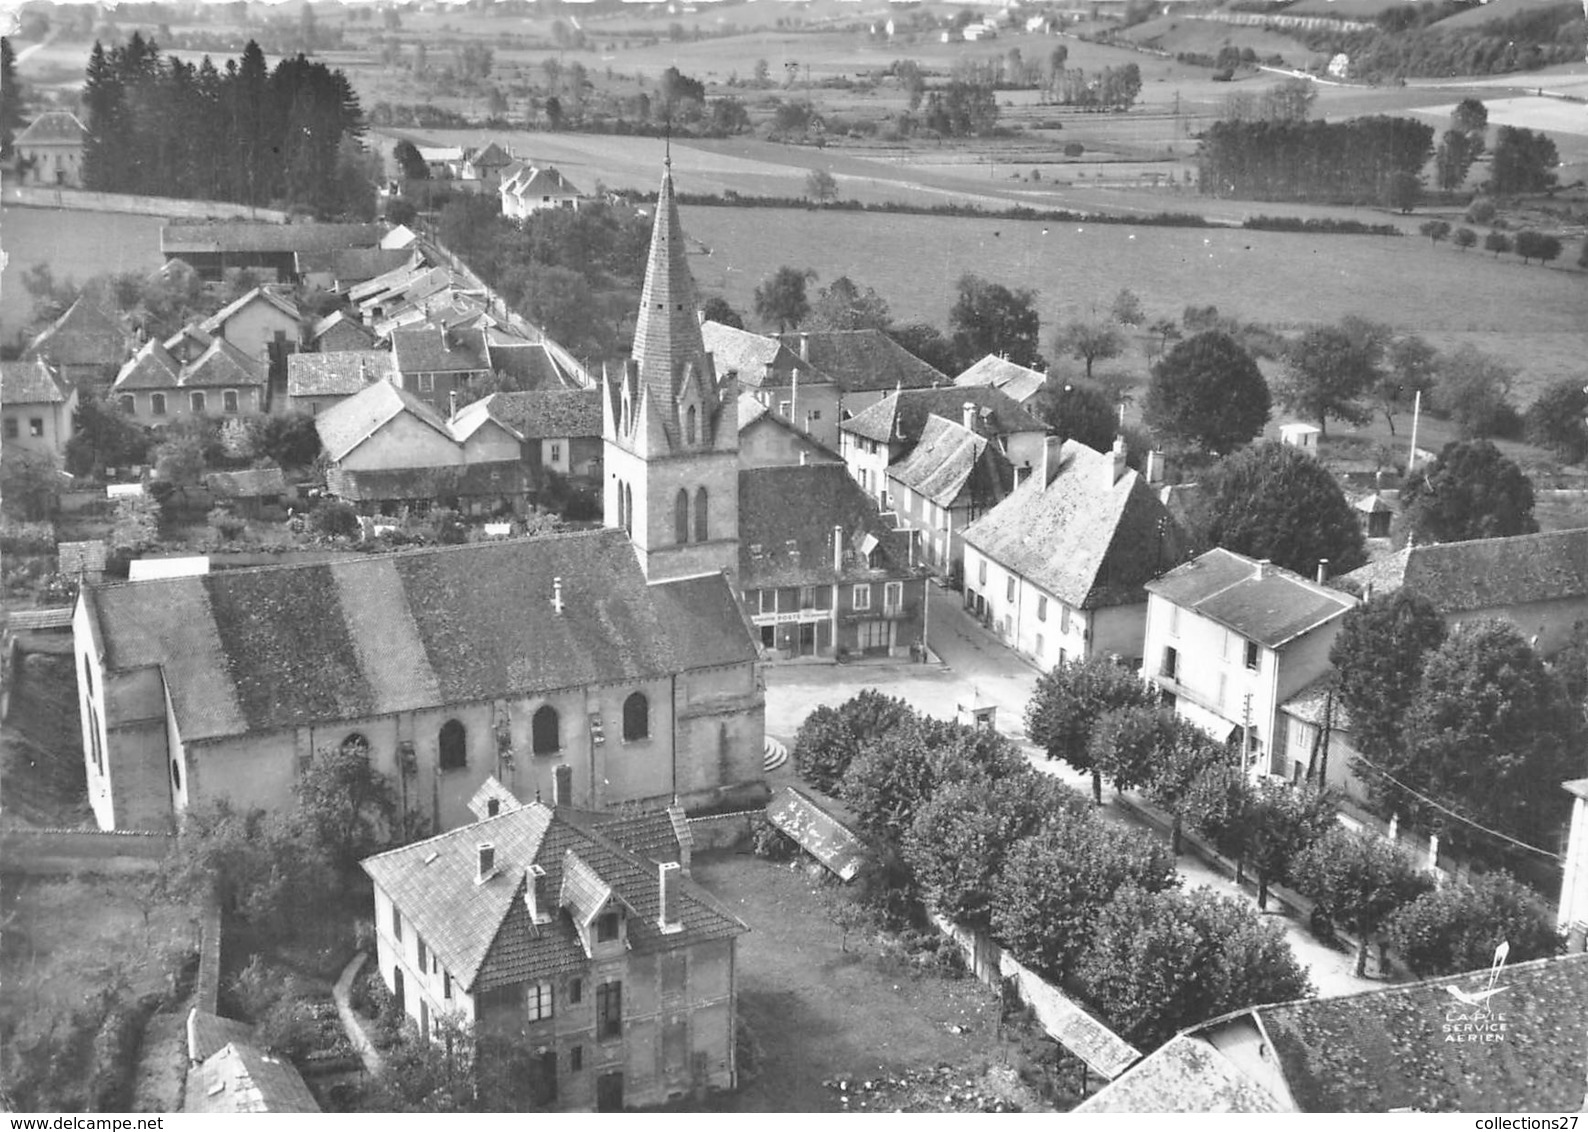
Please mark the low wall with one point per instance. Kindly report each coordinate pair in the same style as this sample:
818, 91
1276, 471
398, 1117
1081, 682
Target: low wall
82, 850
207, 987
42, 196
722, 831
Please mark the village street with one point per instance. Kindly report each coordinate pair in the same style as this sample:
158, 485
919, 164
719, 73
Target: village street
971, 664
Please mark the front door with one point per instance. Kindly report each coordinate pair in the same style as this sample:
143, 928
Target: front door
807, 638
609, 1092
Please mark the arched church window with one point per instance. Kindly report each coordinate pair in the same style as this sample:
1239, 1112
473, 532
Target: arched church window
681, 516
702, 529
689, 425
544, 732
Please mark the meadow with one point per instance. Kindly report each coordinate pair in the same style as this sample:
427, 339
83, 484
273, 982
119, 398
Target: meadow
76, 245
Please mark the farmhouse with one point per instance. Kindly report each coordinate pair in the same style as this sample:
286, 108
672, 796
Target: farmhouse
952, 477
339, 331
436, 364
865, 365
448, 665
214, 248
35, 408
262, 324
50, 150
85, 346
538, 923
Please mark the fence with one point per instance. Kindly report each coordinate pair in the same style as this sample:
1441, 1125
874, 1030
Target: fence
207, 987
82, 850
40, 196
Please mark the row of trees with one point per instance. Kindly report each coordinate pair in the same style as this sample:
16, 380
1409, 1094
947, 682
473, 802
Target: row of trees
1375, 160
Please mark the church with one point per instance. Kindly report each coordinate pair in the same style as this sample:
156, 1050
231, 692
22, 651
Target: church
622, 654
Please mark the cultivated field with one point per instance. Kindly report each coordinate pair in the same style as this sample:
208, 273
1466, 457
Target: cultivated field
76, 245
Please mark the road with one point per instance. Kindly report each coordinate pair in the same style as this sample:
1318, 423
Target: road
971, 664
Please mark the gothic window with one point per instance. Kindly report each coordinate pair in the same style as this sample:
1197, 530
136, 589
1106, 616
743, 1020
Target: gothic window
681, 516
454, 744
689, 425
543, 737
702, 531
356, 744
628, 510
636, 717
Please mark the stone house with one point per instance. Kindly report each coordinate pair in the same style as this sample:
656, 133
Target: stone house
50, 150
315, 382
864, 366
262, 324
526, 189
436, 365
767, 439
560, 430
36, 408
951, 478
85, 346
338, 332
1016, 381
777, 378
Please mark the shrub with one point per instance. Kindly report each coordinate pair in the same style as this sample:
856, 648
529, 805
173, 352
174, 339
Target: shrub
335, 519
767, 840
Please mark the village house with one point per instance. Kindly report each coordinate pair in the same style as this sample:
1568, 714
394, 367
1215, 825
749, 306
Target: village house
36, 408
342, 269
526, 189
436, 365
777, 378
448, 665
560, 430
262, 324
821, 571
220, 381
338, 332
85, 346
251, 492
1538, 582
212, 249
1057, 569
50, 150
541, 366
864, 367
315, 382
147, 385
767, 439
1229, 639
1313, 740
888, 430
539, 924
951, 478
993, 372
485, 164
443, 162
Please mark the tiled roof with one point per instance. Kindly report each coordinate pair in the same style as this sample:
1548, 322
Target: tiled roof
83, 336
332, 321
222, 364
348, 423
534, 366
393, 280
430, 350
339, 374
1000, 373
1185, 1075
1270, 606
1088, 539
207, 1033
243, 1078
902, 415
79, 557
53, 126
552, 414
1486, 573
492, 156
1314, 702
352, 265
152, 367
532, 181
859, 360
786, 520
30, 383
656, 835
492, 477
482, 932
251, 483
758, 359
189, 335
215, 322
948, 459
273, 647
246, 236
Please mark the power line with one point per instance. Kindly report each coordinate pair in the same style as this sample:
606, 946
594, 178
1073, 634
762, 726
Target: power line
1460, 817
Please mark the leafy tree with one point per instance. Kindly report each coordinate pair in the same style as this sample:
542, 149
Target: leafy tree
1491, 735
1327, 370
1435, 230
1187, 753
1127, 309
829, 739
401, 211
842, 305
1068, 701
30, 483
1283, 820
1458, 927
1164, 331
267, 868
1556, 421
1472, 491
1160, 962
348, 805
334, 518
1453, 159
717, 309
1273, 501
729, 116
1524, 161
1411, 369
1207, 391
409, 163
10, 98
1536, 245
1129, 743
989, 318
1378, 659
1464, 238
1088, 341
1497, 242
929, 344
781, 299
290, 439
821, 186
1077, 412
1359, 881
181, 459
1056, 881
1473, 389
1471, 117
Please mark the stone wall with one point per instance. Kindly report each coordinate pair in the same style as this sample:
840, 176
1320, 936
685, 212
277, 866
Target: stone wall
50, 197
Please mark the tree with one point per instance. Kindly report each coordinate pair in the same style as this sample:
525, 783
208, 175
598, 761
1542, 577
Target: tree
1088, 341
829, 739
401, 211
1412, 365
1497, 242
1160, 962
842, 305
716, 309
1471, 117
1208, 392
1536, 245
1378, 659
1454, 157
1464, 238
290, 439
1358, 880
1129, 743
1524, 161
268, 868
781, 299
821, 186
989, 318
348, 805
1056, 881
1472, 491
1272, 501
103, 438
1435, 230
30, 483
335, 519
1326, 371
729, 116
1076, 411
10, 97
1473, 389
1458, 927
1491, 735
1556, 421
1188, 754
1127, 309
1283, 820
929, 344
1068, 701
182, 458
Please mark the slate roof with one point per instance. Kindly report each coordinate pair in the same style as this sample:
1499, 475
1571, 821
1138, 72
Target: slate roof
1487, 573
427, 349
859, 360
152, 367
221, 363
1271, 607
338, 374
248, 236
332, 321
548, 415
350, 422
758, 359
53, 127
241, 1077
266, 648
394, 280
215, 323
87, 556
348, 266
492, 156
1184, 1075
482, 932
531, 181
84, 335
207, 1033
30, 383
1086, 539
1000, 373
946, 460
492, 477
1311, 704
251, 483
903, 414
786, 520
534, 366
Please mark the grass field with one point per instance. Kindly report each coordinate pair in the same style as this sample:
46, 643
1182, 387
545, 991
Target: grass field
76, 245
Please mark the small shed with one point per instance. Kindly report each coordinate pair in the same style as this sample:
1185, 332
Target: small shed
250, 490
1299, 435
978, 712
1375, 514
818, 832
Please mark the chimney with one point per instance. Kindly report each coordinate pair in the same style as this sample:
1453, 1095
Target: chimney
1116, 463
1367, 591
487, 853
968, 416
452, 403
556, 595
1265, 568
535, 894
562, 785
1155, 472
804, 457
1323, 570
1050, 462
805, 347
669, 877
838, 550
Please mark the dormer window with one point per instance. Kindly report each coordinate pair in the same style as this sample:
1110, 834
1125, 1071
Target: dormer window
608, 927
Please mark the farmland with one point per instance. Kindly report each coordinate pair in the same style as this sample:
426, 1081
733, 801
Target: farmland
76, 245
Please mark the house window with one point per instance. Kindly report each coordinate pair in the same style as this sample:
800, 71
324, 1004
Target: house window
681, 516
1040, 643
1042, 611
893, 595
628, 510
1253, 655
702, 528
1009, 590
446, 985
576, 1059
35, 426
861, 597
575, 991
1223, 687
229, 400
674, 972
981, 572
454, 744
427, 383
636, 717
607, 927
537, 998
196, 401
1174, 620
12, 429
128, 403
424, 957
768, 601
556, 452
807, 597
1064, 619
157, 404
1171, 664
689, 425
609, 1010
176, 776
396, 923
543, 731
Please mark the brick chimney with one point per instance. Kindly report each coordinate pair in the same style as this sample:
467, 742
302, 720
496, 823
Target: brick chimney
535, 895
487, 857
562, 785
1050, 459
1323, 570
1116, 462
967, 416
1155, 469
669, 909
805, 347
1265, 568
